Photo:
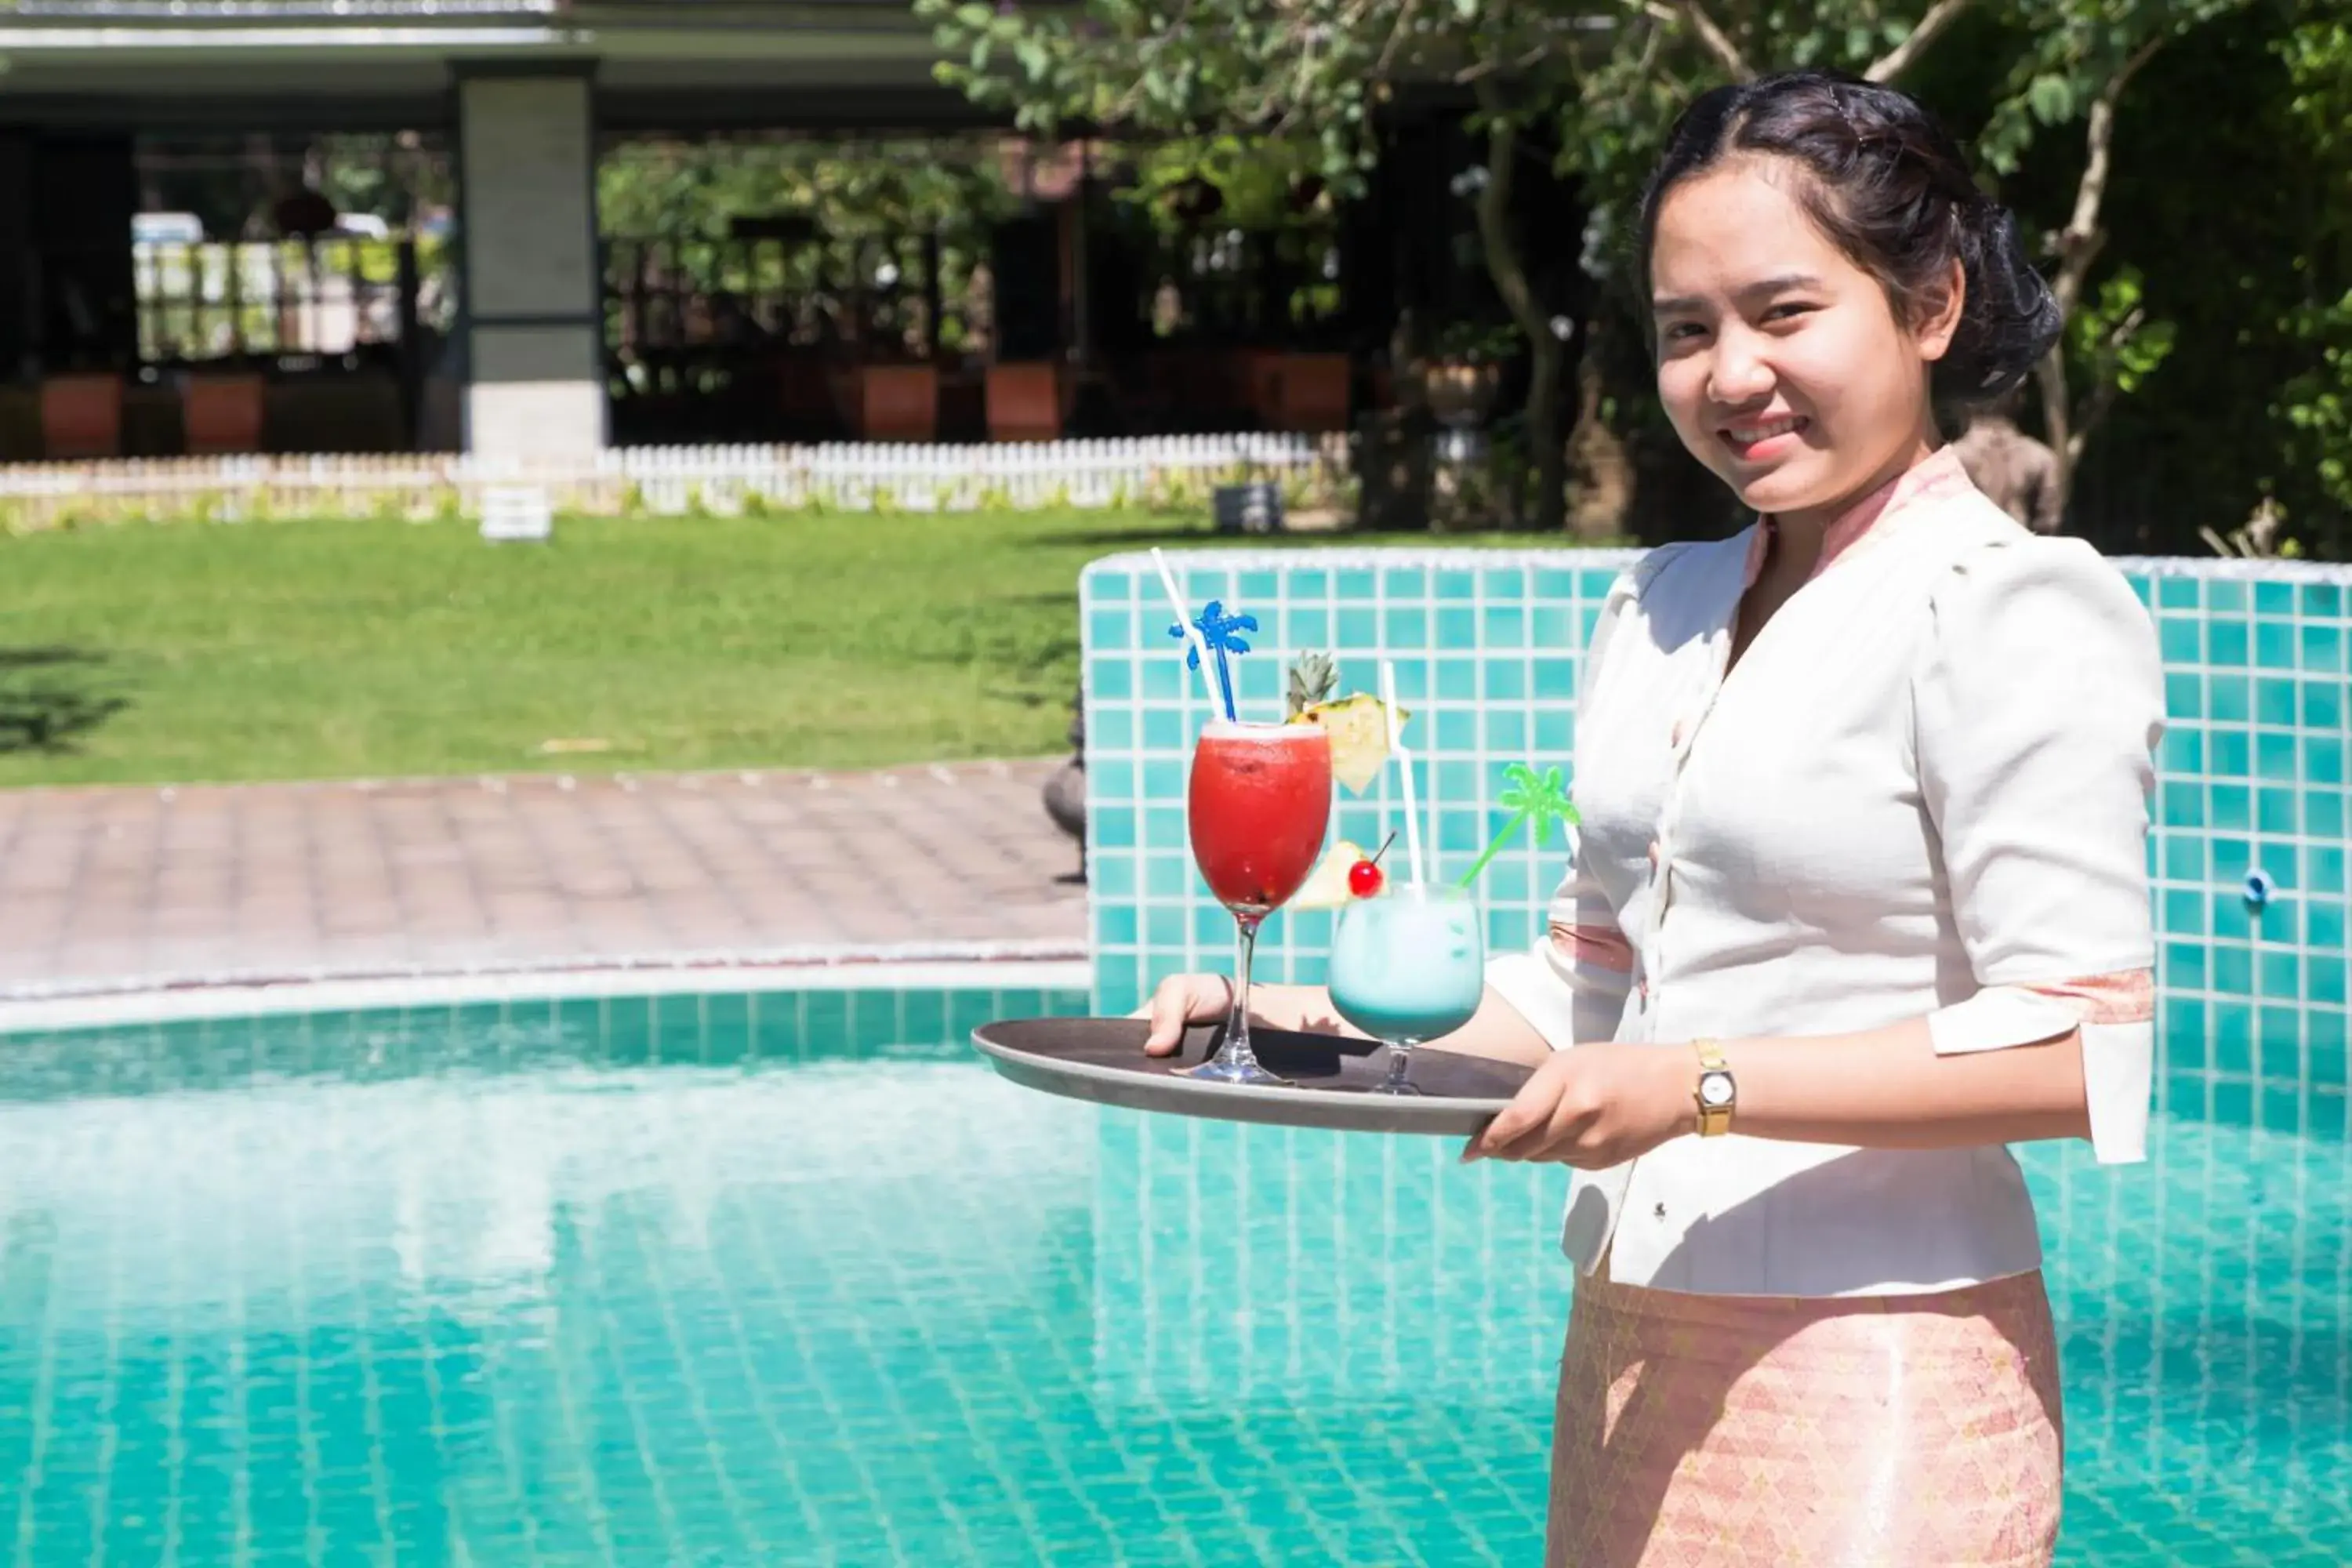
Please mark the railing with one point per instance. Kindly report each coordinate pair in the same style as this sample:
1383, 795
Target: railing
1156, 472
358, 12
217, 300
905, 295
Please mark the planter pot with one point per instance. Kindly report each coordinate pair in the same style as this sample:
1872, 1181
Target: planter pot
1311, 393
898, 403
223, 414
82, 417
1460, 393
1025, 403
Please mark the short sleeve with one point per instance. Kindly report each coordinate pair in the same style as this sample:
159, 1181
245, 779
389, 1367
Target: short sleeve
1571, 985
2038, 704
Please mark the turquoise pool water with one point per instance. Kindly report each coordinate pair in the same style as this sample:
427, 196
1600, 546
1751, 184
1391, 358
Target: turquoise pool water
731, 1280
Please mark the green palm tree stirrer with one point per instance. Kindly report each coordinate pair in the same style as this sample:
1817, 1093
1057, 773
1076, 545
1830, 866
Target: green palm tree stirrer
1540, 801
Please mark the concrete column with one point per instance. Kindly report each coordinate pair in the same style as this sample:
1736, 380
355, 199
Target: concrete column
534, 295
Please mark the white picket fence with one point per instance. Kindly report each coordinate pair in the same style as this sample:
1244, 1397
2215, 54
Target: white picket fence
676, 481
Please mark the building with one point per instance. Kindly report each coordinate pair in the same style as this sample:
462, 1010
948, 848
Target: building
510, 325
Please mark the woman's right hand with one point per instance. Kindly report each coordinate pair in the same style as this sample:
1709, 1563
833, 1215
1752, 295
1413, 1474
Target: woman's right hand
1185, 999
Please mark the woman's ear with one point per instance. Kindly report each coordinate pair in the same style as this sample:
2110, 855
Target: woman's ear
1939, 316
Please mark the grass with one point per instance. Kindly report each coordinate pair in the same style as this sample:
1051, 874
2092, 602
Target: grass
300, 650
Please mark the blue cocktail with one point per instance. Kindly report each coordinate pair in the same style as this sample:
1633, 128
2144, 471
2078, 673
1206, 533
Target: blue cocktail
1407, 965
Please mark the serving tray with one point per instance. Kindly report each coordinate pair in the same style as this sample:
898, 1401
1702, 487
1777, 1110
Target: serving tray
1331, 1077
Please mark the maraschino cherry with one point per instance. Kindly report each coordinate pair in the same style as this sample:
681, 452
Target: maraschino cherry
1364, 879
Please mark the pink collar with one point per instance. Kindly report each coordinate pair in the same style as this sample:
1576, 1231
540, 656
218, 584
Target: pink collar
1937, 474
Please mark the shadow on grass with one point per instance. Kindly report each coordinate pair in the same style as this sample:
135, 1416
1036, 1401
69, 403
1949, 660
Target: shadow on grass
51, 698
1174, 535
1137, 536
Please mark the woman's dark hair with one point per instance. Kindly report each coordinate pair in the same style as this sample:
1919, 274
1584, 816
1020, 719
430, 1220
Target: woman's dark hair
1889, 187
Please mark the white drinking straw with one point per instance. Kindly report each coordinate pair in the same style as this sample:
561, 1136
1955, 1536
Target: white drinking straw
1185, 619
1404, 769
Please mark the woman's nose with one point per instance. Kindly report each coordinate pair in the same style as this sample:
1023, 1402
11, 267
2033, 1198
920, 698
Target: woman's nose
1738, 374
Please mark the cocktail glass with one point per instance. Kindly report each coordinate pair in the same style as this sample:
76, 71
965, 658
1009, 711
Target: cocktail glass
1407, 965
1257, 804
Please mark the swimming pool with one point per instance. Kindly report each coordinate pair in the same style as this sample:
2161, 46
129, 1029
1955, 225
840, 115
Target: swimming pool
792, 1278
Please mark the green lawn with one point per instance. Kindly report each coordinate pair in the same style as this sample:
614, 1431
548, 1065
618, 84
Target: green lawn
286, 650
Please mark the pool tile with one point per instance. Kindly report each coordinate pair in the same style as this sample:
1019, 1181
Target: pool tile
835, 1356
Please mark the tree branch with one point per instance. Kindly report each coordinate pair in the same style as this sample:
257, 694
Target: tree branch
1398, 26
1493, 215
1714, 40
2078, 244
1901, 57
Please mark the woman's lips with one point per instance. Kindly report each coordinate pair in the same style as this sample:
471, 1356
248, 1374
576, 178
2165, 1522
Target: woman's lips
1762, 440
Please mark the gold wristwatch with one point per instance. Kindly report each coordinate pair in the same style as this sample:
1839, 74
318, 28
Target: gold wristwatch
1717, 1093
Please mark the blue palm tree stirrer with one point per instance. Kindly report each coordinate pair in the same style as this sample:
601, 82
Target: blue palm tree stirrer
1217, 629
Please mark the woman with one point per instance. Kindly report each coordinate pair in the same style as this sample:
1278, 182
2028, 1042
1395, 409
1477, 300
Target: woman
1860, 896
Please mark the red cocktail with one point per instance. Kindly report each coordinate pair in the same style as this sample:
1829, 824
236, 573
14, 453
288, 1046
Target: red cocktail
1258, 805
1259, 801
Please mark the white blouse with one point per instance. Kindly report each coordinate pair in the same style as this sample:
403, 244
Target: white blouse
1923, 790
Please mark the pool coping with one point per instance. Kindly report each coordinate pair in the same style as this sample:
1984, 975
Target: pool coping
1615, 558
945, 967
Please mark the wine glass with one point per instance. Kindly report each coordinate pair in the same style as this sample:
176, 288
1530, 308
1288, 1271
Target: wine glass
1256, 804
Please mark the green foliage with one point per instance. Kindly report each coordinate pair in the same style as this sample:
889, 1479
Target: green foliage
2110, 333
2072, 51
2173, 305
855, 196
1255, 177
2316, 406
849, 190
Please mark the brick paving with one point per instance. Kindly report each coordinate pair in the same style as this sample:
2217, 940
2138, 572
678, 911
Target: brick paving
109, 889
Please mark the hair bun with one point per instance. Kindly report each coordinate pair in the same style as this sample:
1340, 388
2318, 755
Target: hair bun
2010, 318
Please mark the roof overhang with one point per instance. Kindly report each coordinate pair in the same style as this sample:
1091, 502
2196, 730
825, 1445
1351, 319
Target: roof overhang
155, 54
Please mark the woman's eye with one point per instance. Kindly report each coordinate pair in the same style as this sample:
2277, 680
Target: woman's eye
1682, 331
1788, 313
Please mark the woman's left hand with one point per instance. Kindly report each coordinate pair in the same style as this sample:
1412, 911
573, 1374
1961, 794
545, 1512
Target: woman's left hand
1595, 1106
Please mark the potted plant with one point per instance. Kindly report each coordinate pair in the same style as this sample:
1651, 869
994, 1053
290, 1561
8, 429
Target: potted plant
1460, 379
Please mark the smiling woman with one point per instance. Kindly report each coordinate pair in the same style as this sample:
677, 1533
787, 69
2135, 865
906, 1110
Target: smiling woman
1860, 898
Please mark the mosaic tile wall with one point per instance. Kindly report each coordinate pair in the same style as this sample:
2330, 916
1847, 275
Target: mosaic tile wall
1487, 645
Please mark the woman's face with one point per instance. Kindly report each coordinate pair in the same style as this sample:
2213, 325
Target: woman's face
1781, 364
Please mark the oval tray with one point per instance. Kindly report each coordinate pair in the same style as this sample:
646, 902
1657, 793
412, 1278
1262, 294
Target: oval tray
1102, 1060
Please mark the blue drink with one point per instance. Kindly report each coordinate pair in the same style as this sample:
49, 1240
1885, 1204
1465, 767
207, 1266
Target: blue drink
1407, 965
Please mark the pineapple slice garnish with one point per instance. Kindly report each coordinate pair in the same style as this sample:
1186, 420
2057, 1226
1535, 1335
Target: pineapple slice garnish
1326, 886
1358, 729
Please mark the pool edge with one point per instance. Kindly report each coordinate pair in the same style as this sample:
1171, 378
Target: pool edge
985, 966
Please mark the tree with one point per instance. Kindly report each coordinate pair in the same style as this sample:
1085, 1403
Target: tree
2082, 56
1311, 74
1319, 73
1609, 78
2316, 406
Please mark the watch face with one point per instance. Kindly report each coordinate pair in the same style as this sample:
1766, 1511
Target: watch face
1714, 1089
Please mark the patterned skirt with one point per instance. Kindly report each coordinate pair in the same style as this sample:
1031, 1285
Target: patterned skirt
1780, 1431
